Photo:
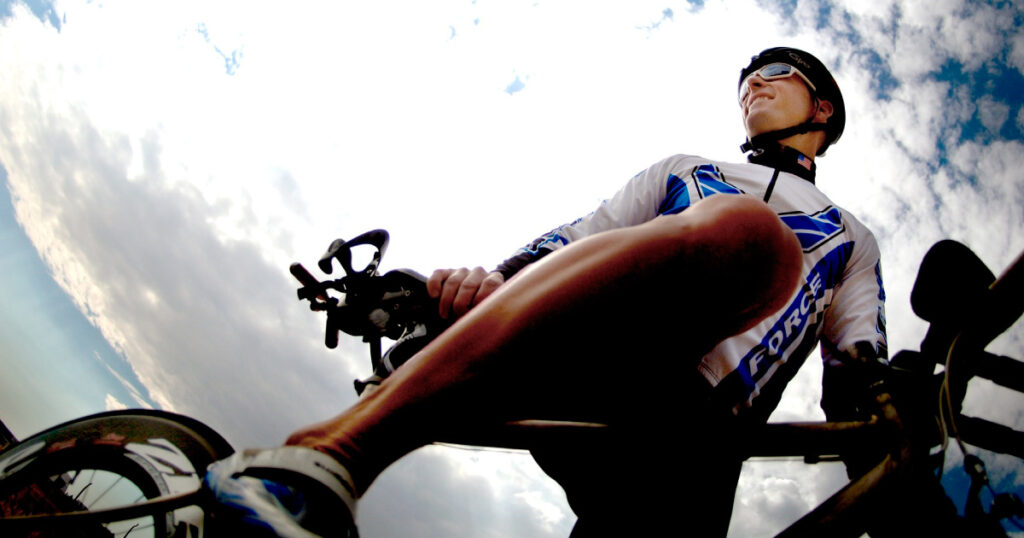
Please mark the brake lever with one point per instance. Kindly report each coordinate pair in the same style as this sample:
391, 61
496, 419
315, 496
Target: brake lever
312, 289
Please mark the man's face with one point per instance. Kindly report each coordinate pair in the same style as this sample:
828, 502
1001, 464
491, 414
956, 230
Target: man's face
771, 105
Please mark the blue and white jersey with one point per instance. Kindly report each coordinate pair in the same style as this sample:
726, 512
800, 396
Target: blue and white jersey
841, 298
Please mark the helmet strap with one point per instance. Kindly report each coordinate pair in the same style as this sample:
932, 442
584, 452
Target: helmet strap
764, 141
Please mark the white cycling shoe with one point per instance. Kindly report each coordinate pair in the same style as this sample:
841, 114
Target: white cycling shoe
289, 492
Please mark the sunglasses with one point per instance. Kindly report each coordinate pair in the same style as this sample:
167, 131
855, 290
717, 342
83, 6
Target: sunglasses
774, 71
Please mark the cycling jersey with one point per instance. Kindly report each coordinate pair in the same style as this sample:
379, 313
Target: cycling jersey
840, 299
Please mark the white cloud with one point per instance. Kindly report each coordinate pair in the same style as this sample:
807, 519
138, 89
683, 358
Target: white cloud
463, 494
996, 403
114, 242
1016, 56
876, 11
133, 391
777, 493
993, 114
990, 201
974, 32
112, 404
917, 38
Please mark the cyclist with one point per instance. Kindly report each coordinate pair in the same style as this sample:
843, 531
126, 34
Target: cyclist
691, 296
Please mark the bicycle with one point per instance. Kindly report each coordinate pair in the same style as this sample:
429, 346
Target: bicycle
161, 456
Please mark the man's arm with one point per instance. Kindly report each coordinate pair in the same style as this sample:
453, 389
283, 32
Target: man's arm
855, 329
854, 346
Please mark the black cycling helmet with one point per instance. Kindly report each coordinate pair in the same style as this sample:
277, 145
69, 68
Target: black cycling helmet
825, 88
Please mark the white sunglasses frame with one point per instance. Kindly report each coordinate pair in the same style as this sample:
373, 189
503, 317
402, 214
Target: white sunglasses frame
744, 89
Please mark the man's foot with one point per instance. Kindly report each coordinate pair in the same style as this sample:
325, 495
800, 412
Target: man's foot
288, 491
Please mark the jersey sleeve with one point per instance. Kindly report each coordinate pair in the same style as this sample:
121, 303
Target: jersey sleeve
637, 202
854, 328
857, 313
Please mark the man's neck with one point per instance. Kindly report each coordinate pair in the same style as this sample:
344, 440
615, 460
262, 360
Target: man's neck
787, 159
806, 143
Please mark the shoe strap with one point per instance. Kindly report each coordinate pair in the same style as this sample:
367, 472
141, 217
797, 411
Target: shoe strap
304, 461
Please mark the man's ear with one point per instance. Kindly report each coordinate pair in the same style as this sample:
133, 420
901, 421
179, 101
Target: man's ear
824, 111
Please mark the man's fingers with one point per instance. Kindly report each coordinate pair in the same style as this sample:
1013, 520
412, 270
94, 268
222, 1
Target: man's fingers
436, 282
448, 290
465, 296
490, 283
458, 290
457, 286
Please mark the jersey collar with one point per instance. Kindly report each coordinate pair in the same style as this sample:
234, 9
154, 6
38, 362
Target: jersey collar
786, 159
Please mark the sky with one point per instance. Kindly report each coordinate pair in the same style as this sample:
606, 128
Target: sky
163, 164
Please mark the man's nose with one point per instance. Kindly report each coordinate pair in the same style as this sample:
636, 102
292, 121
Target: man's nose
755, 81
750, 84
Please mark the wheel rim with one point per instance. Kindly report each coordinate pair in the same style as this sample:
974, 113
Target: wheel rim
87, 480
112, 460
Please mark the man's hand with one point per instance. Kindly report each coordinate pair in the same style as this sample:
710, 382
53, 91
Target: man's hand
461, 289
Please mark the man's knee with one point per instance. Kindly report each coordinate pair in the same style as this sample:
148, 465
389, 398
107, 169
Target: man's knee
748, 222
754, 259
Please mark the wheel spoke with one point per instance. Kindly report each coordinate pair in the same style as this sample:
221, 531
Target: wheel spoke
110, 487
81, 492
130, 529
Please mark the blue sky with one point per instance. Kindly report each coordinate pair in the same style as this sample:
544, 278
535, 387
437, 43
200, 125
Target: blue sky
62, 364
163, 164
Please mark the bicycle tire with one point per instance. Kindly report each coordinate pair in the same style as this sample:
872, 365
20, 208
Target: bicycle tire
142, 453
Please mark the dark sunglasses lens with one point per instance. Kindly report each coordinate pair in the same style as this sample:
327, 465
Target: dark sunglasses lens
776, 70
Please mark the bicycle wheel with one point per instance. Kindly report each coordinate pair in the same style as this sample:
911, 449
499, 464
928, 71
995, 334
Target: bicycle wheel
102, 465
